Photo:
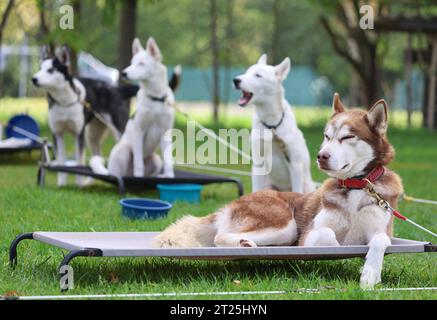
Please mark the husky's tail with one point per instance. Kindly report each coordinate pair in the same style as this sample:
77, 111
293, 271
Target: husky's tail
175, 80
188, 232
97, 164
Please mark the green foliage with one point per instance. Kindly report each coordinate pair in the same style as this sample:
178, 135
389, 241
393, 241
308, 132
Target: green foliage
182, 29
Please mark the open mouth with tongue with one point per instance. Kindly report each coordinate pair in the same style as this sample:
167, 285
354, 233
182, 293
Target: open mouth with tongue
245, 98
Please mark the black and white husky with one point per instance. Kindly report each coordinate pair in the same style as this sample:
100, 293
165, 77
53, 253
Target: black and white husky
76, 104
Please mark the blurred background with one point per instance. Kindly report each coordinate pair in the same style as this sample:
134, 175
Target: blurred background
214, 40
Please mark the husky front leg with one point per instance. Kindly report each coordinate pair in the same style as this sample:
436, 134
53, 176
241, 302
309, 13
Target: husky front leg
166, 150
371, 274
259, 181
296, 169
262, 158
60, 158
296, 177
322, 237
138, 156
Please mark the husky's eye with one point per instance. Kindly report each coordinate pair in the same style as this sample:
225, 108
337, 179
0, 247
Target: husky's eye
51, 70
258, 75
347, 138
327, 137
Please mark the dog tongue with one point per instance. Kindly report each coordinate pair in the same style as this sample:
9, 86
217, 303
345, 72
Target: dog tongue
245, 99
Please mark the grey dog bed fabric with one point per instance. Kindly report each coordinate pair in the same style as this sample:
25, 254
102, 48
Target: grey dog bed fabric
138, 244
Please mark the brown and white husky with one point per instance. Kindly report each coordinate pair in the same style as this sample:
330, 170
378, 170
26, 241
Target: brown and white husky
341, 212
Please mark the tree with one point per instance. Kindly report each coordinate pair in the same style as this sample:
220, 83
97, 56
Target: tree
77, 7
229, 48
127, 32
3, 23
215, 52
5, 17
44, 28
276, 34
357, 46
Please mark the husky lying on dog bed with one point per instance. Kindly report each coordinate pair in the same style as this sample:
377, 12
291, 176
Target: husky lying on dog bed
354, 154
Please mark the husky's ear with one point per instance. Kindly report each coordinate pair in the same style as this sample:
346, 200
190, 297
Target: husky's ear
377, 116
63, 55
137, 46
153, 49
263, 59
283, 69
337, 105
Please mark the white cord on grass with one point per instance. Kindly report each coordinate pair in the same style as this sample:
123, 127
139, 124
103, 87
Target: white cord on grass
201, 294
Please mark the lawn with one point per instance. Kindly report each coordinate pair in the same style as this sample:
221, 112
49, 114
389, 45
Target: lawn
24, 207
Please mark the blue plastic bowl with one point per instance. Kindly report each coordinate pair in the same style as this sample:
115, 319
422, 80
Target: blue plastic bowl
22, 121
190, 193
144, 208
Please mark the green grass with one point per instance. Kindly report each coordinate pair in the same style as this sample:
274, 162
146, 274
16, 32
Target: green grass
24, 208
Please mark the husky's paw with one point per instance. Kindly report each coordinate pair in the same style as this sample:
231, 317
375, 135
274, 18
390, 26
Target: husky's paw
247, 243
88, 181
62, 180
166, 175
139, 173
369, 278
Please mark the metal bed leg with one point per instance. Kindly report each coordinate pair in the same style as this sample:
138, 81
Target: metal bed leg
13, 248
430, 247
240, 187
44, 160
41, 177
73, 254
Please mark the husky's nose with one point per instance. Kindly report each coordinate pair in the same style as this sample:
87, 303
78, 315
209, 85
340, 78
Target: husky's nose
237, 83
323, 156
35, 81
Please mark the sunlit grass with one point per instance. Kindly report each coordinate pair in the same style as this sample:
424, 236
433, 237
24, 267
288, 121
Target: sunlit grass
24, 208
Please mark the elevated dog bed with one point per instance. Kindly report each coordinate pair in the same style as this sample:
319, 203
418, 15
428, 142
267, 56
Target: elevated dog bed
22, 131
138, 244
132, 183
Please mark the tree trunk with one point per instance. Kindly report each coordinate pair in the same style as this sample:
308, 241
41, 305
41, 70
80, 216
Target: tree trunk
127, 30
44, 28
77, 5
354, 90
3, 24
432, 85
371, 79
215, 59
230, 36
5, 18
274, 52
408, 79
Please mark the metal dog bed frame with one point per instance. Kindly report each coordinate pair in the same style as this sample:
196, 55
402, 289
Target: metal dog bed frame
29, 149
138, 244
132, 183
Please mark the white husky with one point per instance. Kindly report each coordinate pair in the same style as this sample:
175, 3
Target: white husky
134, 154
290, 168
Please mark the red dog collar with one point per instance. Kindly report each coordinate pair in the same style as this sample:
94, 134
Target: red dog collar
355, 183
